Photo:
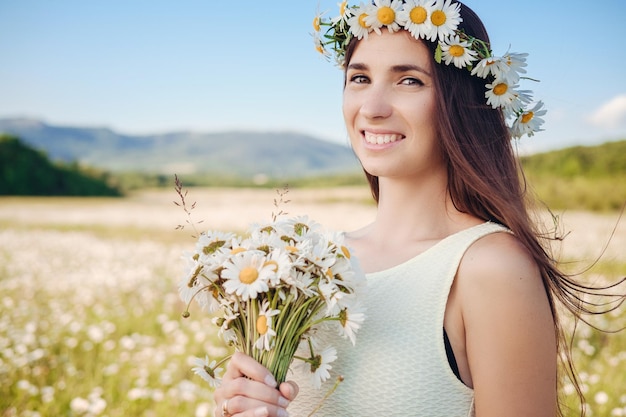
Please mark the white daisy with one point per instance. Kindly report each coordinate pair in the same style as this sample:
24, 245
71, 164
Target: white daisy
414, 17
207, 371
247, 275
516, 62
319, 366
223, 321
301, 228
321, 253
351, 320
344, 14
264, 327
207, 299
507, 68
457, 51
529, 121
445, 18
281, 266
384, 13
500, 94
492, 65
189, 284
211, 242
347, 276
299, 282
358, 27
319, 46
332, 295
522, 98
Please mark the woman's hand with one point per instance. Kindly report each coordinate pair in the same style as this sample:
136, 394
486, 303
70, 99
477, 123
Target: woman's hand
248, 389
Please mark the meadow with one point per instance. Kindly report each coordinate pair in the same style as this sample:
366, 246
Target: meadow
91, 325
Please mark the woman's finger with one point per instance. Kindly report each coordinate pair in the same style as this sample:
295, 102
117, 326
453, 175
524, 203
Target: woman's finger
289, 390
242, 365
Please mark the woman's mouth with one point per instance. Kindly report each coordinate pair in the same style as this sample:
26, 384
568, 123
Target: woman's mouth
381, 138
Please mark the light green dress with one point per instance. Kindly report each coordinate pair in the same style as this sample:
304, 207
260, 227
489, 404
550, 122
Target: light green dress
398, 366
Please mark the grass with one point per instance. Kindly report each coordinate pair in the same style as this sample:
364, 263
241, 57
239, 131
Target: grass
582, 193
91, 319
91, 326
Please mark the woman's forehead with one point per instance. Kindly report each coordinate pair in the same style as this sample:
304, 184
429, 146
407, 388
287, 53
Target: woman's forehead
392, 48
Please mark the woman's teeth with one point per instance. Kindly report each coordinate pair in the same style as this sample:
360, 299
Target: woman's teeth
381, 139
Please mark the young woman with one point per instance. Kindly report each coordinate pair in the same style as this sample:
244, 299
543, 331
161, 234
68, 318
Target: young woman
462, 294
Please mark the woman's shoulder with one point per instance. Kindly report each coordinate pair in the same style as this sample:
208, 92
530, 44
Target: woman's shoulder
499, 264
507, 322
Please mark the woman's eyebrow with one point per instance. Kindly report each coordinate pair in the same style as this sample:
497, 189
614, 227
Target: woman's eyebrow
409, 67
358, 66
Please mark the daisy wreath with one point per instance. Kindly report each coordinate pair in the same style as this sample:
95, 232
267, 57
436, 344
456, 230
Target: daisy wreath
271, 290
438, 21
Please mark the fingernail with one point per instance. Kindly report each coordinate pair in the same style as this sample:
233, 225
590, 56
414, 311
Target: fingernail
261, 412
282, 413
283, 402
271, 381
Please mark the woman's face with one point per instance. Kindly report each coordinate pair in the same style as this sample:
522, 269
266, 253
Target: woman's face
389, 106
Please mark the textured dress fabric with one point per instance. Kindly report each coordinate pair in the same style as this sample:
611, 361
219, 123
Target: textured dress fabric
398, 366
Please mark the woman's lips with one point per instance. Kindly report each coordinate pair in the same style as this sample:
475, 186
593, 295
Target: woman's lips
381, 138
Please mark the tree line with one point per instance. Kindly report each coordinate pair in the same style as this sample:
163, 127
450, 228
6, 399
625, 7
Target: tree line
26, 171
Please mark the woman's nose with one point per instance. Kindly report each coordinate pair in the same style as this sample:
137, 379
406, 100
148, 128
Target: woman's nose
376, 103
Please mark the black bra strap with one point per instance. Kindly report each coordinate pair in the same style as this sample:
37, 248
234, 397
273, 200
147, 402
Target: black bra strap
450, 355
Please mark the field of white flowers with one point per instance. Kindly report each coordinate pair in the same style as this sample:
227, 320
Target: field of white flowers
90, 321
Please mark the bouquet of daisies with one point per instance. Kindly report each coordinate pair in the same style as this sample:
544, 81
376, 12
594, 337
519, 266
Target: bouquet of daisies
271, 290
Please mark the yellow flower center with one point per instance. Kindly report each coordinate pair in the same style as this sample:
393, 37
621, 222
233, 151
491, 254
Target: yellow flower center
261, 325
345, 251
316, 24
500, 89
362, 18
418, 15
343, 317
235, 251
438, 17
248, 275
456, 50
386, 15
342, 7
274, 264
527, 117
329, 273
291, 249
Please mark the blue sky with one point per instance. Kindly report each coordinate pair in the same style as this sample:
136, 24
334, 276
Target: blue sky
151, 66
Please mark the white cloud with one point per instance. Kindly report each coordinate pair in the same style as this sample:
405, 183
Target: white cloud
612, 114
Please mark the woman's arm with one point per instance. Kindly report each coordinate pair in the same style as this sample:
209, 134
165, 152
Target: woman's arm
509, 328
250, 391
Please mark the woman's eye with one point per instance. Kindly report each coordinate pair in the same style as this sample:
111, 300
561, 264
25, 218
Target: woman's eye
412, 81
359, 79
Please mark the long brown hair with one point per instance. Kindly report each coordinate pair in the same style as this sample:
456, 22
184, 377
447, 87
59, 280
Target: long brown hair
486, 180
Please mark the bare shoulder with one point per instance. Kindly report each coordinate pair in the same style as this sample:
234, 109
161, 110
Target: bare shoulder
500, 260
509, 328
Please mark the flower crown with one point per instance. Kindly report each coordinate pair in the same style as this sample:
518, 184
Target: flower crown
437, 21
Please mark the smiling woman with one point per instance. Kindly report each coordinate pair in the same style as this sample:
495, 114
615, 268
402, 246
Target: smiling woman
463, 295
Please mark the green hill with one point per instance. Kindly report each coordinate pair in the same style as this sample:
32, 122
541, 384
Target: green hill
224, 154
26, 171
580, 177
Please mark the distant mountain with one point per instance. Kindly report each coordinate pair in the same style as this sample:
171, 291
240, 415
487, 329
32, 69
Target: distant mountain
278, 154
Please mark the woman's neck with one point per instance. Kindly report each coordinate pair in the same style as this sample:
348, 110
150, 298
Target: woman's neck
411, 217
412, 211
